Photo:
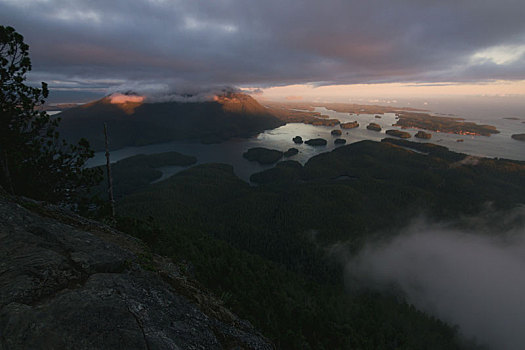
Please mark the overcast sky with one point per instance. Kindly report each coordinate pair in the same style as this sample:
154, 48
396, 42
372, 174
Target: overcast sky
96, 44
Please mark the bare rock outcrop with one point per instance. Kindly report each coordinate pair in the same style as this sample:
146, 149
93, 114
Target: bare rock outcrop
70, 283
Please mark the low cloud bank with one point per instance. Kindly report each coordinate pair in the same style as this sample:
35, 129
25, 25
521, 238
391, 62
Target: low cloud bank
471, 278
154, 93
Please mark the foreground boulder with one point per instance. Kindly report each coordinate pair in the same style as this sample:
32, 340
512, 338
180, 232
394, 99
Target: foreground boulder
339, 141
82, 285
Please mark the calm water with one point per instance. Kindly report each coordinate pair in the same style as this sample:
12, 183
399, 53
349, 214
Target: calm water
230, 152
499, 145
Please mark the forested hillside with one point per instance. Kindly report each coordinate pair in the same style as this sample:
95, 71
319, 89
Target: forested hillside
272, 242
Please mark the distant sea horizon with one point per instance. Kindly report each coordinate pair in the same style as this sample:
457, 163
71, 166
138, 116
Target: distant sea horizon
481, 109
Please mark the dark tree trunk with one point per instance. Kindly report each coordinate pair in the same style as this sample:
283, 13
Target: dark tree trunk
7, 184
108, 168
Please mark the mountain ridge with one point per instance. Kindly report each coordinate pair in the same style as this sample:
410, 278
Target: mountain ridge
140, 122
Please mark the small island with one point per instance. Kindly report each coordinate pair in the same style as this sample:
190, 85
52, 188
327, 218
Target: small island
423, 135
323, 122
374, 127
291, 152
443, 124
263, 155
339, 141
297, 139
316, 142
519, 137
336, 132
349, 125
399, 133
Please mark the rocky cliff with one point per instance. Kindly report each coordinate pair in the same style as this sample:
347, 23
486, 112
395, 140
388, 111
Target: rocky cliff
70, 283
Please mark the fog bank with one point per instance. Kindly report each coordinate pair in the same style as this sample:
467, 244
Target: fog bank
473, 279
175, 92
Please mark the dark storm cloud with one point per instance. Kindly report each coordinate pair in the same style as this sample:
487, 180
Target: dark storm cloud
96, 44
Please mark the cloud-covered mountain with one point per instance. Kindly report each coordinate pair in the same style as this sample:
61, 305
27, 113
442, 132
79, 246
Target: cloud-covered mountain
135, 120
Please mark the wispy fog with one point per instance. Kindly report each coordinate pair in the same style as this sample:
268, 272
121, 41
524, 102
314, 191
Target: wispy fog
471, 278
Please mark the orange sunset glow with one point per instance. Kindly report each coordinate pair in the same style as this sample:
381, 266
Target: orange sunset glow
311, 92
127, 103
121, 98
